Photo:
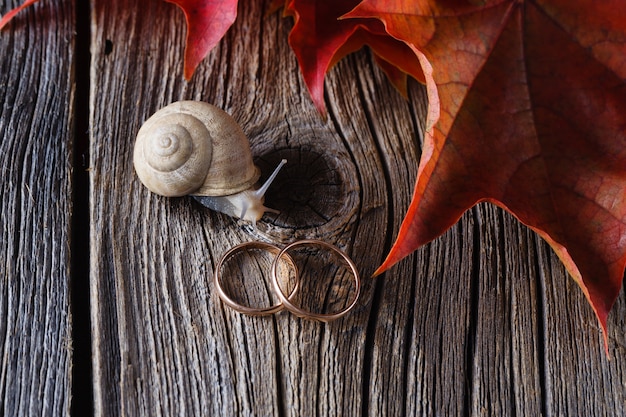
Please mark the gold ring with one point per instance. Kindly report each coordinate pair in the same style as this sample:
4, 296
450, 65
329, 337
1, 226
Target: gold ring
253, 311
323, 317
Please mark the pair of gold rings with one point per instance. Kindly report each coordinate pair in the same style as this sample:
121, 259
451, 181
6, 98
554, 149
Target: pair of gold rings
286, 301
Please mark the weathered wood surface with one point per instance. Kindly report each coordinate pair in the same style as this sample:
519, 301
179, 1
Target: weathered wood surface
36, 131
483, 321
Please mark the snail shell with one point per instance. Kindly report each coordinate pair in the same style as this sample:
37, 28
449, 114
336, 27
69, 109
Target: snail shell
192, 147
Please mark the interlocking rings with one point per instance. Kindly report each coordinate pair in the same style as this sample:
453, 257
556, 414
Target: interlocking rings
286, 301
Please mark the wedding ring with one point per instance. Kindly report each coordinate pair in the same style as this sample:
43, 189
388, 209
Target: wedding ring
254, 311
285, 300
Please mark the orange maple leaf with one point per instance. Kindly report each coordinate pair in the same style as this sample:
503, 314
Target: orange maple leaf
527, 111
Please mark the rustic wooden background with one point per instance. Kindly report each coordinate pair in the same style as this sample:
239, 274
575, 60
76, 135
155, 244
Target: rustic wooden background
106, 301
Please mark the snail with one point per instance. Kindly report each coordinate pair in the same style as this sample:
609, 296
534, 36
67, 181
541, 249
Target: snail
195, 148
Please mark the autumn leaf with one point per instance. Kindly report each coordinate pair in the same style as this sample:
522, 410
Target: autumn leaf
7, 17
527, 111
320, 39
207, 22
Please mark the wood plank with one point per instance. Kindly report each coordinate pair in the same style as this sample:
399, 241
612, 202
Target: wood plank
36, 126
477, 322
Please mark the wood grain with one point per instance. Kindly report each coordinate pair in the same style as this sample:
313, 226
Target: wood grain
36, 127
482, 321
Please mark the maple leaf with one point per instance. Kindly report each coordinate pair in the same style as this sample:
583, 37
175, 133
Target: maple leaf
9, 15
207, 22
527, 111
320, 39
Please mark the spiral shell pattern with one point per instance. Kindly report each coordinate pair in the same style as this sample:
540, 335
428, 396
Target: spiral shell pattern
191, 147
172, 153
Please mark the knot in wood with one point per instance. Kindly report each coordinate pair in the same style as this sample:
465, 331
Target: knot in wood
316, 193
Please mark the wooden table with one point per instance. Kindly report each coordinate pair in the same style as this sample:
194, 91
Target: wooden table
106, 298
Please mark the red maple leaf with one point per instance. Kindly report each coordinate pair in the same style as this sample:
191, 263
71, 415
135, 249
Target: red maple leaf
207, 22
527, 111
320, 39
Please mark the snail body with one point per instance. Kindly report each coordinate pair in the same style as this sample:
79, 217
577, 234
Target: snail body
195, 148
246, 204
